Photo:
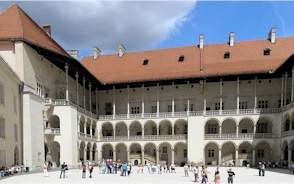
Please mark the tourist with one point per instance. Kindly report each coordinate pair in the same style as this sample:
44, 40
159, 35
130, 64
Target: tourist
172, 168
231, 174
91, 168
204, 175
63, 169
83, 168
123, 168
129, 169
263, 169
259, 168
217, 176
195, 172
159, 168
149, 167
45, 169
186, 169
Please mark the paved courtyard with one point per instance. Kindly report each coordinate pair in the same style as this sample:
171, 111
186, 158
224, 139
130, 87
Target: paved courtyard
243, 175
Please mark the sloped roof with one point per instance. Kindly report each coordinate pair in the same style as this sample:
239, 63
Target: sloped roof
15, 24
245, 58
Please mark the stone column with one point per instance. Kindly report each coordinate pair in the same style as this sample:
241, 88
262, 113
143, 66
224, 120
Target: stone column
219, 156
114, 155
90, 97
173, 129
113, 102
253, 157
128, 130
237, 158
85, 153
96, 98
172, 156
292, 85
237, 130
157, 100
66, 80
114, 132
84, 92
157, 156
220, 130
128, 102
143, 105
85, 127
173, 99
128, 156
282, 91
220, 96
255, 93
77, 88
285, 91
91, 130
143, 159
238, 95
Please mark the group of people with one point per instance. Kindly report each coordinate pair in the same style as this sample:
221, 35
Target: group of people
9, 171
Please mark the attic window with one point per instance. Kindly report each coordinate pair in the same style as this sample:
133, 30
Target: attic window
145, 62
181, 58
227, 55
267, 52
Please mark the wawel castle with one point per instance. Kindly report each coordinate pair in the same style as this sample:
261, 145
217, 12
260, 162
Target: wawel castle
217, 104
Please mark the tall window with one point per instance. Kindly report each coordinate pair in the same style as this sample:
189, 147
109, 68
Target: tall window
135, 110
243, 105
153, 109
262, 104
2, 94
15, 132
217, 106
2, 127
210, 153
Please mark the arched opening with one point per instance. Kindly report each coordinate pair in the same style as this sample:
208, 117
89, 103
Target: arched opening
135, 128
263, 152
150, 128
54, 121
150, 153
165, 153
292, 121
292, 150
246, 125
88, 154
211, 154
286, 123
55, 153
285, 149
135, 153
107, 129
16, 156
212, 127
82, 149
180, 154
46, 150
121, 129
229, 126
82, 124
165, 127
121, 152
181, 126
107, 151
228, 154
245, 153
264, 125
93, 128
94, 150
88, 127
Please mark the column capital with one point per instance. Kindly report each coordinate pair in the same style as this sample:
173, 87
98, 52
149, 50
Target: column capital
66, 66
84, 79
77, 74
90, 85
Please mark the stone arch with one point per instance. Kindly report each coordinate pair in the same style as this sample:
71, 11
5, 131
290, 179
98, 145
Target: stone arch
228, 151
286, 122
121, 152
264, 125
150, 153
94, 127
211, 151
107, 151
55, 153
94, 151
245, 151
121, 129
81, 151
82, 124
263, 151
229, 126
212, 126
88, 126
54, 121
135, 153
150, 128
135, 128
246, 125
107, 129
16, 155
181, 126
165, 127
180, 154
285, 149
165, 150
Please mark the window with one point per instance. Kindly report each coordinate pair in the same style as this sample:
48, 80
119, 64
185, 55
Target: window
14, 104
108, 108
190, 107
227, 55
169, 108
211, 129
181, 58
267, 52
217, 106
262, 104
145, 62
243, 105
260, 153
185, 153
153, 109
135, 110
15, 132
210, 153
2, 127
2, 94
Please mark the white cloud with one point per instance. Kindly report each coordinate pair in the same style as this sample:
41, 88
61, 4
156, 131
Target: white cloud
82, 25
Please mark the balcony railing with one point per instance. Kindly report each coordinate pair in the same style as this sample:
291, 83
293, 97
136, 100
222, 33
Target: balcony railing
82, 135
243, 136
288, 133
144, 138
52, 131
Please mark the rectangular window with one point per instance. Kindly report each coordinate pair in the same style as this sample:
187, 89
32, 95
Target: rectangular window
243, 105
108, 108
217, 106
2, 94
153, 109
15, 132
135, 110
169, 108
262, 104
210, 153
2, 128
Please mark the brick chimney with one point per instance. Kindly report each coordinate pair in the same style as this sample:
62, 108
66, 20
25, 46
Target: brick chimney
47, 28
231, 39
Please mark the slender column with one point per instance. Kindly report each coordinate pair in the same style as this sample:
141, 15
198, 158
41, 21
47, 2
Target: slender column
238, 95
173, 99
292, 85
91, 130
289, 155
85, 128
128, 102
255, 95
253, 157
282, 91
90, 97
157, 155
77, 88
143, 100
237, 130
285, 91
113, 102
128, 156
84, 92
96, 98
172, 156
85, 154
157, 126
114, 132
173, 130
143, 159
220, 130
254, 129
219, 156
188, 100
143, 131
66, 79
114, 155
220, 96
204, 98
128, 129
237, 158
157, 100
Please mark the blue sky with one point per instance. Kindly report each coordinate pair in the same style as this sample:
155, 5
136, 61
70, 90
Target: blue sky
249, 20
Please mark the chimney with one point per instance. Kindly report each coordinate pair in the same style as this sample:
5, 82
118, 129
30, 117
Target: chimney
96, 52
121, 50
201, 41
231, 39
74, 53
272, 35
47, 28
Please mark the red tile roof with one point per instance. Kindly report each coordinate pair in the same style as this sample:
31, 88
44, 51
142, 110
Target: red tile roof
15, 24
245, 58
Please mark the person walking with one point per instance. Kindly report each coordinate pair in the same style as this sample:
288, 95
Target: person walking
195, 172
204, 178
129, 169
45, 169
63, 169
259, 168
91, 168
186, 169
217, 176
263, 169
231, 174
83, 168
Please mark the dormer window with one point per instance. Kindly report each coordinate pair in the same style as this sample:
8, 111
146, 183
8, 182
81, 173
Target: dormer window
181, 58
267, 52
145, 62
227, 55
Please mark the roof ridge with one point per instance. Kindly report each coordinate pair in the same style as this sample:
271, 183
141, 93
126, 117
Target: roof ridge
19, 19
